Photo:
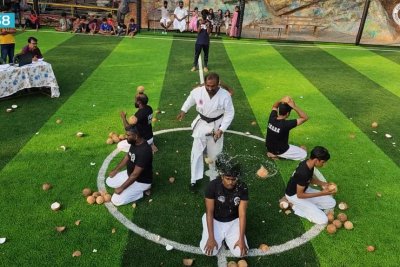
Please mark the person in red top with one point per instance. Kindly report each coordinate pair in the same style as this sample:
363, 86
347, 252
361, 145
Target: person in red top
32, 49
32, 21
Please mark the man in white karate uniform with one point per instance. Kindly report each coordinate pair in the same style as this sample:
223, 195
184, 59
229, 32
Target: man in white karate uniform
216, 112
180, 15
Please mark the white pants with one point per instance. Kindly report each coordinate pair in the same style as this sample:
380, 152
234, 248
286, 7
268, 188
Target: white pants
312, 208
294, 153
180, 25
165, 21
196, 157
130, 194
229, 231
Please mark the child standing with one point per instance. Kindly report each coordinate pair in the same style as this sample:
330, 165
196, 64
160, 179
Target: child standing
227, 21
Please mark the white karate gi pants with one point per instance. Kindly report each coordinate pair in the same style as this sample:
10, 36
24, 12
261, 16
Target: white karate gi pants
230, 231
130, 194
294, 153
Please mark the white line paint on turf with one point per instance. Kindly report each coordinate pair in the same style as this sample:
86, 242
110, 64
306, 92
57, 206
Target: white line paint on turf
253, 43
307, 236
201, 74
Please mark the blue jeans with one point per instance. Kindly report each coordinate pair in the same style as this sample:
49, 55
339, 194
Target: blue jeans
7, 50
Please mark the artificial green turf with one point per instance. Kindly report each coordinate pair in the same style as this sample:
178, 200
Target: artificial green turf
357, 165
392, 53
72, 66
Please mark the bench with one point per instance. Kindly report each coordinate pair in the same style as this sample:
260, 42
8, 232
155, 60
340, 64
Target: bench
278, 28
300, 22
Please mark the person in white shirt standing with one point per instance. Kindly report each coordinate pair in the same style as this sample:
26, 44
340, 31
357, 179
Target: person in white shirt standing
180, 15
216, 112
165, 18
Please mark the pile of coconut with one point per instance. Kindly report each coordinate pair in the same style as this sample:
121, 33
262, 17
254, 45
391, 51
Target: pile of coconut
114, 137
96, 197
340, 221
285, 205
240, 263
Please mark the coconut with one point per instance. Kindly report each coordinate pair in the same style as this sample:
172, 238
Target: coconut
331, 228
46, 186
154, 119
262, 172
134, 205
3, 240
207, 160
187, 262
169, 247
121, 137
115, 138
78, 222
55, 206
60, 229
111, 134
370, 248
79, 134
287, 212
242, 263
330, 216
337, 223
284, 205
96, 194
63, 148
388, 136
343, 206
171, 180
99, 200
140, 89
332, 187
91, 200
113, 231
14, 106
342, 217
374, 124
107, 198
58, 121
132, 120
348, 225
263, 247
232, 264
253, 123
86, 192
9, 110
109, 141
76, 253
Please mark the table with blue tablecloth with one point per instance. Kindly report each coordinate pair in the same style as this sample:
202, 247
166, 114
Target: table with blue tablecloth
37, 74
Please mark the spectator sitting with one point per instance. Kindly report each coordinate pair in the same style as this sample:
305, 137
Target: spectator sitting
63, 23
111, 21
32, 21
132, 28
76, 22
121, 29
105, 28
93, 26
32, 49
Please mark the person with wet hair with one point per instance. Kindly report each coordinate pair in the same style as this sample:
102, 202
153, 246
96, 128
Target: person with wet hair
226, 200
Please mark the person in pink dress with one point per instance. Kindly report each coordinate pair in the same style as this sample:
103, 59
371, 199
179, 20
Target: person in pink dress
235, 23
194, 19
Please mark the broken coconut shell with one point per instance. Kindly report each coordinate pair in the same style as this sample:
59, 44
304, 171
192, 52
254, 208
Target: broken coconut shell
262, 172
374, 124
46, 186
60, 229
76, 253
79, 134
343, 206
58, 121
171, 180
55, 206
284, 205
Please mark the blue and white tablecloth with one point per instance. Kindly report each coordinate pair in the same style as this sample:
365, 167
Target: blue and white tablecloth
36, 74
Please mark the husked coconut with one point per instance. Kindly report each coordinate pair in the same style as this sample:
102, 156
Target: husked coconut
55, 206
232, 264
79, 134
86, 192
343, 206
107, 198
96, 194
187, 262
140, 89
171, 180
262, 172
46, 186
76, 253
331, 228
330, 216
332, 187
242, 263
58, 121
284, 205
91, 200
121, 137
348, 225
263, 247
109, 141
207, 160
115, 138
132, 120
342, 217
370, 248
60, 229
111, 134
374, 124
337, 223
99, 200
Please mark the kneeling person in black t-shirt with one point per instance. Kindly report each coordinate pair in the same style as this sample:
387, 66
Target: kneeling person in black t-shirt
131, 184
226, 203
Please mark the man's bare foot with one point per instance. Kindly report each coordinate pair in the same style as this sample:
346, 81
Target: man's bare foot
272, 156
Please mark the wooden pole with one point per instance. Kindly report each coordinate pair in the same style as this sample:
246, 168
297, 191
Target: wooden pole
139, 14
362, 23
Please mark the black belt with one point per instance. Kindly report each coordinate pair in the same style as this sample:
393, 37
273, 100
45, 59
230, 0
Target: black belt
208, 120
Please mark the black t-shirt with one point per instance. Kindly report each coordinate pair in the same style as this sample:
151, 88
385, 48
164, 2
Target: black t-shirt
226, 207
203, 38
301, 176
277, 139
144, 116
141, 156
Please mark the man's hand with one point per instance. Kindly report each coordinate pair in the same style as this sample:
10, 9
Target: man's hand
118, 190
112, 173
218, 134
210, 245
180, 116
123, 114
242, 246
